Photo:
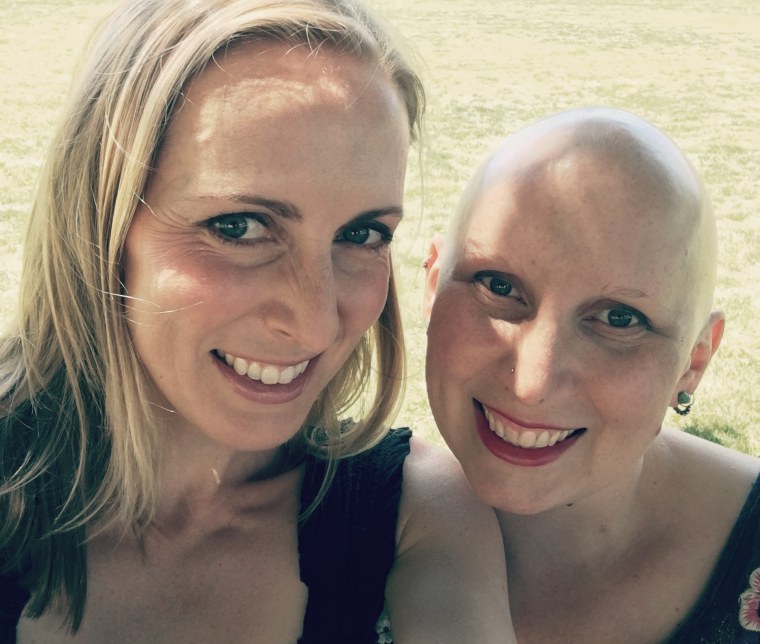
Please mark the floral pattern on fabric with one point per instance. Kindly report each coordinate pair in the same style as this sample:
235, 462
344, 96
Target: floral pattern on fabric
749, 604
383, 629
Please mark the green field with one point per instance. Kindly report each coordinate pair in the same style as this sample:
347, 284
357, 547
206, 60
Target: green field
492, 66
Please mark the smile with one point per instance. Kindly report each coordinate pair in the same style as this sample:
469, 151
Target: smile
528, 439
268, 374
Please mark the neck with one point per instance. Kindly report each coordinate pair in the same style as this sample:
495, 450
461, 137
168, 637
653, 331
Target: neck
594, 531
196, 471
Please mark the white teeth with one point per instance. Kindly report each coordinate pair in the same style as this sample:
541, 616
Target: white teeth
240, 366
556, 438
287, 376
527, 439
266, 373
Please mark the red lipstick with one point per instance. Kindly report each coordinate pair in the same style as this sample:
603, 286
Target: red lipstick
521, 456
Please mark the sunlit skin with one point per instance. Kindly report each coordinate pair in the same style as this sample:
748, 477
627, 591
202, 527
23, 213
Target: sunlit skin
570, 303
264, 235
556, 240
258, 259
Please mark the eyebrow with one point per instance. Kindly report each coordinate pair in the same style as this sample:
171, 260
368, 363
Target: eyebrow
288, 210
626, 292
283, 209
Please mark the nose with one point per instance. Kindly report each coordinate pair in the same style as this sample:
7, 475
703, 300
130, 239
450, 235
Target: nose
540, 361
304, 307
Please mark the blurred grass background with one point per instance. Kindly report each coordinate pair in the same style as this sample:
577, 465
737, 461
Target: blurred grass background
492, 66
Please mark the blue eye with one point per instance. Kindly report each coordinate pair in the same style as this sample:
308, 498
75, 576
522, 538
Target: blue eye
238, 226
619, 318
498, 285
501, 286
362, 235
622, 318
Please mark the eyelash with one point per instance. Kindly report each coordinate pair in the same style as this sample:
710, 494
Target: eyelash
213, 225
486, 280
386, 234
642, 321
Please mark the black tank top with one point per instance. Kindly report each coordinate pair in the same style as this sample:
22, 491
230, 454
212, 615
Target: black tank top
347, 547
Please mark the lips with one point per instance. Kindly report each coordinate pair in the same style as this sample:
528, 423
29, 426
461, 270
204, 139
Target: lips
264, 383
520, 443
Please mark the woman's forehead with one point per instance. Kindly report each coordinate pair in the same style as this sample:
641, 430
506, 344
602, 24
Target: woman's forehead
287, 74
257, 81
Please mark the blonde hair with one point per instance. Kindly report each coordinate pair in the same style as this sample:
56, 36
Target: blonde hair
78, 445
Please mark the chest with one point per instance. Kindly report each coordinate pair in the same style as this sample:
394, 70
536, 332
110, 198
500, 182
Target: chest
606, 605
236, 583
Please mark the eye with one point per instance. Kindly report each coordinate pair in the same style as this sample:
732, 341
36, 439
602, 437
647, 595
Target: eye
499, 285
622, 318
238, 226
373, 235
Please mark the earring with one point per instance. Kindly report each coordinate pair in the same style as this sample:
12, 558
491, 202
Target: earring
685, 401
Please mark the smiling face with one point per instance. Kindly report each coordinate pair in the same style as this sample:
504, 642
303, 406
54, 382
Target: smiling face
261, 254
564, 320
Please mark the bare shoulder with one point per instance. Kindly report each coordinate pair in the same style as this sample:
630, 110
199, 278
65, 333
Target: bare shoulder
436, 497
709, 484
705, 464
431, 471
449, 582
435, 489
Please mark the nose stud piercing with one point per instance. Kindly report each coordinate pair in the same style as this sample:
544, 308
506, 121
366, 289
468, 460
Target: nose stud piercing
685, 401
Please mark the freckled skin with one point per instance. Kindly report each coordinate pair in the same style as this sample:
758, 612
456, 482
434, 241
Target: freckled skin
326, 135
286, 149
572, 229
575, 291
264, 235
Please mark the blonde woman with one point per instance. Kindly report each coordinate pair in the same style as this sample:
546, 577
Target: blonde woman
207, 288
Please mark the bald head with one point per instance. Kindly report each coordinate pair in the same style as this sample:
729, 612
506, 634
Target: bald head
606, 173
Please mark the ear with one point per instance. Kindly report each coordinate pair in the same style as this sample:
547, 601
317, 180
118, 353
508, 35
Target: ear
705, 347
432, 271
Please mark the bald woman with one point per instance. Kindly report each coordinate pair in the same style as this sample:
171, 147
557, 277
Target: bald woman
570, 307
